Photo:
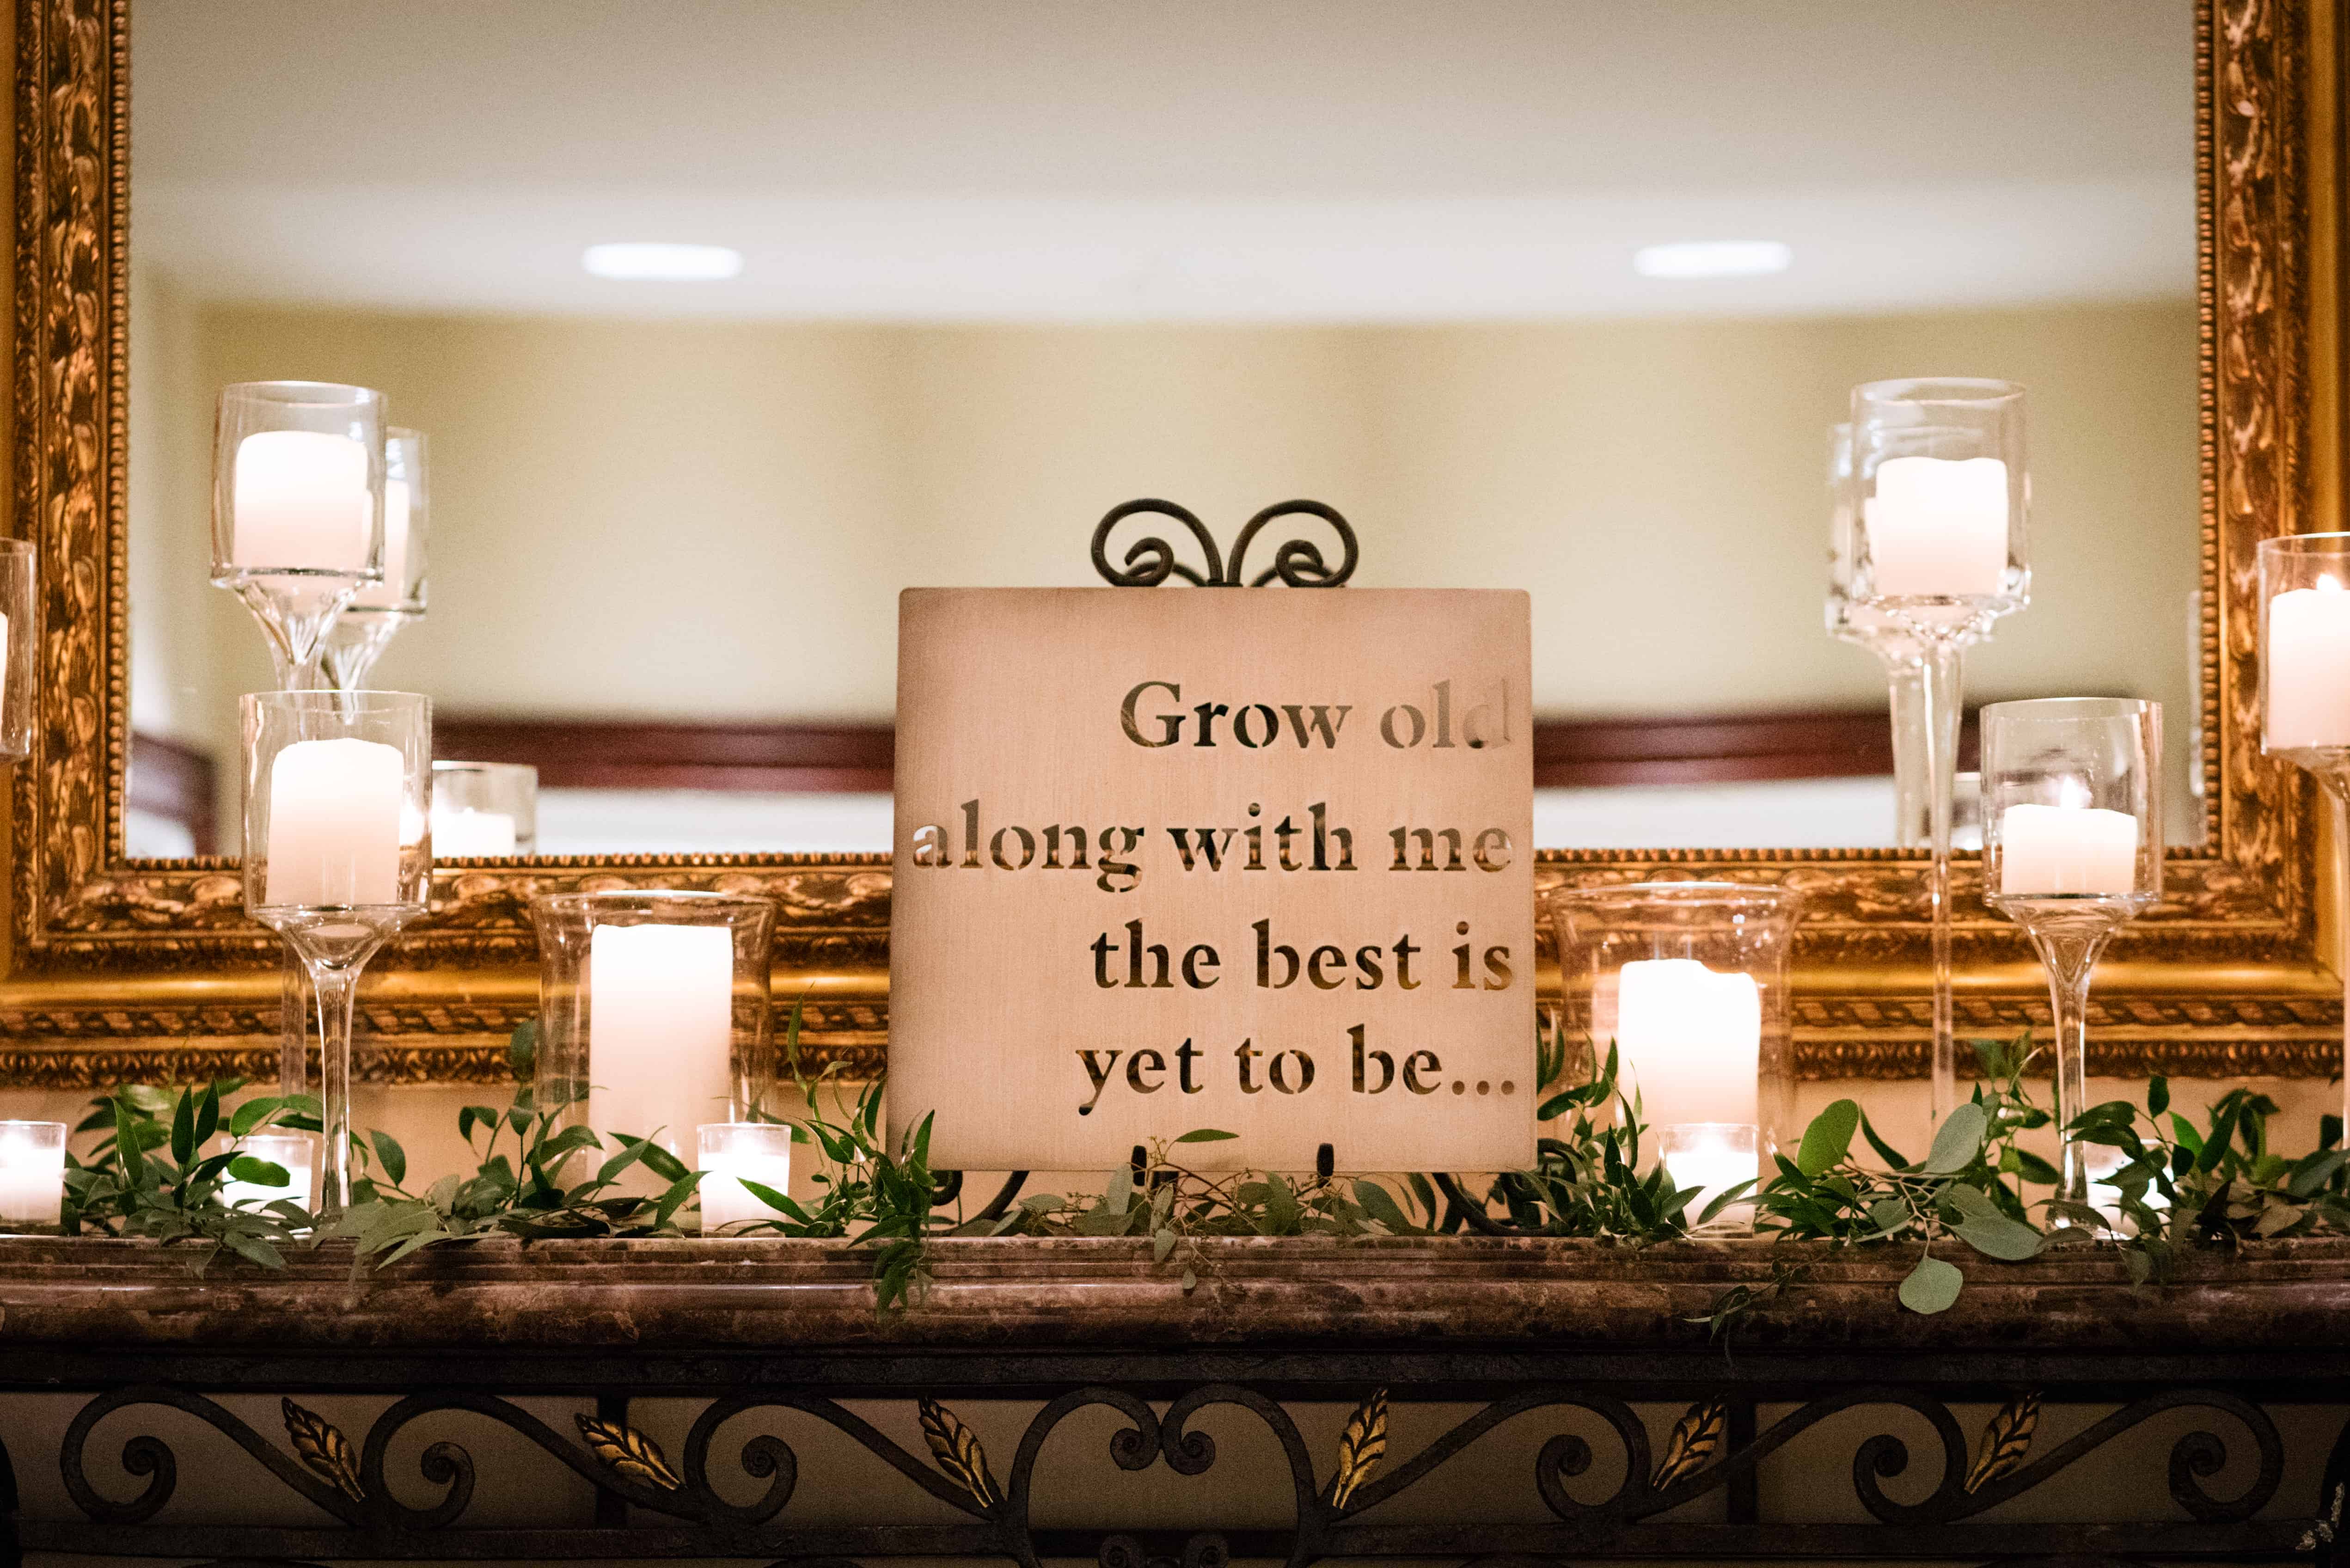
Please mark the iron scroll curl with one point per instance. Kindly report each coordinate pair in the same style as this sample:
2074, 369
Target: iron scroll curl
1150, 560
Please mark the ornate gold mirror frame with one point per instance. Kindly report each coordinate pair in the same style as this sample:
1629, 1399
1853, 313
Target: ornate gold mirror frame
120, 969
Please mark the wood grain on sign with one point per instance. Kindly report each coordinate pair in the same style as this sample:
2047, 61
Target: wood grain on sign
1147, 877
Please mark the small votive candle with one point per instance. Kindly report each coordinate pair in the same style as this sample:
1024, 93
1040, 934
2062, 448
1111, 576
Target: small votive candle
732, 1152
1712, 1157
294, 1151
32, 1173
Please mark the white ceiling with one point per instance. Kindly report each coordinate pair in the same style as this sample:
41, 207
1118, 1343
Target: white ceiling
1114, 159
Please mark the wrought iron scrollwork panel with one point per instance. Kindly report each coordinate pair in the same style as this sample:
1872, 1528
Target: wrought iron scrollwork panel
1152, 560
1333, 1498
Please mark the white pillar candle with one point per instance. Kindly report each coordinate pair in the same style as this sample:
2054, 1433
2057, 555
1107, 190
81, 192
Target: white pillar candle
393, 592
334, 823
473, 831
2049, 849
1937, 528
2308, 664
1692, 1038
661, 1029
32, 1173
733, 1151
302, 500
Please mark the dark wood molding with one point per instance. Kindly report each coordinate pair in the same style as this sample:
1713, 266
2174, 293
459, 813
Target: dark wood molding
623, 753
173, 780
618, 754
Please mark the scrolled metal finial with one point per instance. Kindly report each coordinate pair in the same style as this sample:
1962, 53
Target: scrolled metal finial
1151, 561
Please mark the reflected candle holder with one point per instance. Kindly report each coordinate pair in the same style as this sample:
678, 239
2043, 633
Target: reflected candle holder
337, 856
1897, 648
298, 509
1940, 496
32, 1176
356, 638
2072, 852
1689, 982
732, 1152
2305, 685
654, 1010
485, 809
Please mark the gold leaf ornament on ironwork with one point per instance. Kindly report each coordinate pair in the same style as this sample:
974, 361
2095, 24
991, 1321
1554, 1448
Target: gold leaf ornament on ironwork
1695, 1439
323, 1449
2006, 1442
957, 1449
1361, 1445
628, 1451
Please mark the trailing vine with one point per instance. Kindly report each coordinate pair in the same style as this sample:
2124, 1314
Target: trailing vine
154, 1170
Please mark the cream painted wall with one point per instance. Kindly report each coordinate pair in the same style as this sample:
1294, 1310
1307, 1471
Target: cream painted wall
175, 676
669, 519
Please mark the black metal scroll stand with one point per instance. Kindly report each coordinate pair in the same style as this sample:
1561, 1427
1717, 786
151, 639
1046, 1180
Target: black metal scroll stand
1150, 562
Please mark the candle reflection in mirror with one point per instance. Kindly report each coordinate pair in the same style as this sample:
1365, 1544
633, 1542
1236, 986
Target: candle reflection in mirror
298, 509
1942, 495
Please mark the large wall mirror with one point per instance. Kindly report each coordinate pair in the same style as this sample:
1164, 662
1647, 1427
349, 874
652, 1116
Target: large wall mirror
991, 275
984, 273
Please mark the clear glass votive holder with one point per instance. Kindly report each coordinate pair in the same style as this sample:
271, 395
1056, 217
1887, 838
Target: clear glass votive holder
32, 1176
1689, 982
654, 1009
1713, 1156
484, 809
731, 1152
295, 1153
19, 648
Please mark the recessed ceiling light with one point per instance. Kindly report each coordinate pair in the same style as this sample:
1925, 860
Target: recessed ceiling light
640, 262
1712, 258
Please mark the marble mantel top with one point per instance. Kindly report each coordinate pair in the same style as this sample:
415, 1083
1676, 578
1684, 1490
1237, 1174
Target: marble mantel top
1036, 1293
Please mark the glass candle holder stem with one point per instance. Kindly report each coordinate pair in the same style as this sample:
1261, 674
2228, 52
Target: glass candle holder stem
1913, 801
2069, 936
1940, 691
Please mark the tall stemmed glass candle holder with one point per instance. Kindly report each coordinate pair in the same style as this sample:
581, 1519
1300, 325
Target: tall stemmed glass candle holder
2072, 853
298, 509
356, 638
654, 1010
337, 856
1894, 643
17, 648
1940, 494
2305, 683
1689, 980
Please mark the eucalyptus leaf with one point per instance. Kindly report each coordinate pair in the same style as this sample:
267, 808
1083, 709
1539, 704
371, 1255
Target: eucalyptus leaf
1829, 1137
1997, 1236
1931, 1287
1958, 1140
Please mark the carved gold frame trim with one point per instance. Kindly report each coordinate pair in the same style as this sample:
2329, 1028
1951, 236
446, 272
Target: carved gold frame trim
122, 969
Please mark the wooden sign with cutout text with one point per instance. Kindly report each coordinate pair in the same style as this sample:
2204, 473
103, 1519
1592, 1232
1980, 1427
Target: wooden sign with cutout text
1258, 860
